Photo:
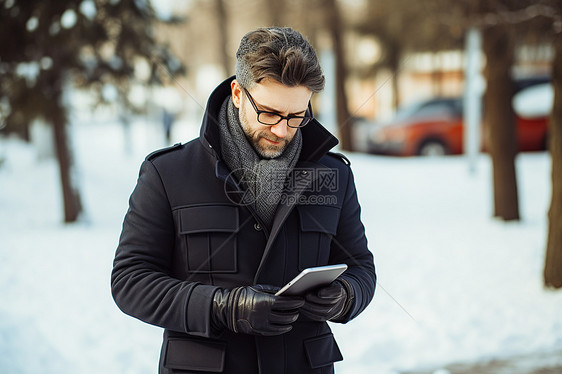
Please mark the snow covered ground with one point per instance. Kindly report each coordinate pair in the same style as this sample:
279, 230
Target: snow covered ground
454, 284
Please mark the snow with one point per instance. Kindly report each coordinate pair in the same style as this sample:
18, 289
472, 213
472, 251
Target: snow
68, 19
454, 283
88, 9
535, 101
165, 9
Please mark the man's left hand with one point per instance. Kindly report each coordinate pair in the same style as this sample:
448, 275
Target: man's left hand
326, 303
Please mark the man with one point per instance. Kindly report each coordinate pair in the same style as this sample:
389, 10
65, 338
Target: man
217, 225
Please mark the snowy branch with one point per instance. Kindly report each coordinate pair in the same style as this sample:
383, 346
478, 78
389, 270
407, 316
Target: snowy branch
513, 17
520, 16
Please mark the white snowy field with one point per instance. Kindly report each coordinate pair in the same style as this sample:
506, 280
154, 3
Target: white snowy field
454, 284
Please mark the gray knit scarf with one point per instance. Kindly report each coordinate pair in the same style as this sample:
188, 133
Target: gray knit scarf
262, 179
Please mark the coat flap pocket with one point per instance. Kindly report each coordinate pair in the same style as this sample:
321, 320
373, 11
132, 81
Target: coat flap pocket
196, 355
319, 218
208, 218
322, 351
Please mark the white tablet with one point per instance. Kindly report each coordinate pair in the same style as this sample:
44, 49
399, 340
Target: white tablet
311, 278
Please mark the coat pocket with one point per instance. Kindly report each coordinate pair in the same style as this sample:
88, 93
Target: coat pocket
210, 235
318, 224
322, 351
190, 356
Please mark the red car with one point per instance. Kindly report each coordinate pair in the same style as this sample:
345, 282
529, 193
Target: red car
435, 127
432, 127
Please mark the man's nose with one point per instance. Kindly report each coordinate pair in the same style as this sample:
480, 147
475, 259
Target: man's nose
280, 130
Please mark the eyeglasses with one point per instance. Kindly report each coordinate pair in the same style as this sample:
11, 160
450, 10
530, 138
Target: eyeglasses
270, 118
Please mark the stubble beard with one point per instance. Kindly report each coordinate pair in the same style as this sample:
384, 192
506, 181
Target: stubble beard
254, 137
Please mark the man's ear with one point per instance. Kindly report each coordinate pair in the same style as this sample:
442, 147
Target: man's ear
236, 93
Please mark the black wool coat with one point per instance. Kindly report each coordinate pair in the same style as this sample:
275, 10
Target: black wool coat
188, 231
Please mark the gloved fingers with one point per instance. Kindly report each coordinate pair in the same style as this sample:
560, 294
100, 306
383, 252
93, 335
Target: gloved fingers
335, 289
313, 315
287, 303
321, 313
265, 288
326, 295
283, 318
317, 308
315, 299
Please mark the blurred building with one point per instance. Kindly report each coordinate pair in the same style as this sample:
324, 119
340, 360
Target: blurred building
209, 54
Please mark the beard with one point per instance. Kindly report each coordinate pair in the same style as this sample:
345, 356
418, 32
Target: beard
259, 139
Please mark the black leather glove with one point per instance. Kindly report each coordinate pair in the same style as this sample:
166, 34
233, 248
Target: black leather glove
255, 310
328, 303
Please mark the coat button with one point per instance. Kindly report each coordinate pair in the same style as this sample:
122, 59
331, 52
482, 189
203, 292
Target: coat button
257, 226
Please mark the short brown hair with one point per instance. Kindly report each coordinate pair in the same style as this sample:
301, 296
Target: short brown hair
280, 53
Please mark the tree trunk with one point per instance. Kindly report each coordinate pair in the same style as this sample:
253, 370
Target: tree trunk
57, 117
500, 120
223, 37
71, 196
345, 122
553, 262
437, 74
394, 51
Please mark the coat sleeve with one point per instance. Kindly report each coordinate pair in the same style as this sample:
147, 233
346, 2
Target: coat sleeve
141, 284
349, 246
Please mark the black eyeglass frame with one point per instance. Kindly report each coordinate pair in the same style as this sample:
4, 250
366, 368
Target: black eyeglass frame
305, 120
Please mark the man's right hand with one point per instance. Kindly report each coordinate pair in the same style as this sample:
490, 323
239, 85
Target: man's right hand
255, 310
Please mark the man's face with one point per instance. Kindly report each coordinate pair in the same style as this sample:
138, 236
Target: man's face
272, 96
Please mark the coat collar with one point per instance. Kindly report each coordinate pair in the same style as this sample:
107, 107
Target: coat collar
317, 141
